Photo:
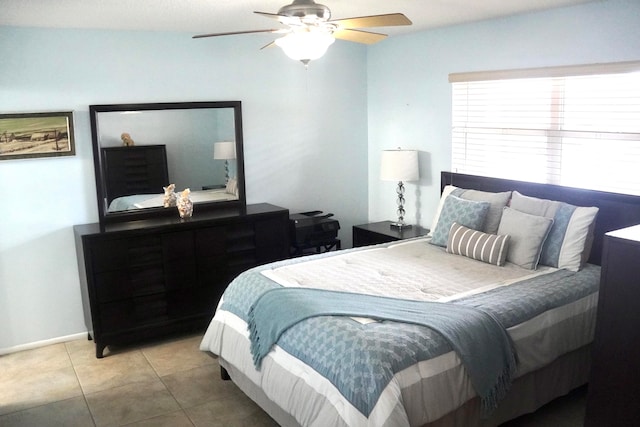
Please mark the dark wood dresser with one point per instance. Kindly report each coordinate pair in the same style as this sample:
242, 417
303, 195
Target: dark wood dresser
151, 278
140, 169
614, 386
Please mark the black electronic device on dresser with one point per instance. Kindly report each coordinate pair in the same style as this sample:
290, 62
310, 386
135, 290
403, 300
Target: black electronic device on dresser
160, 276
313, 232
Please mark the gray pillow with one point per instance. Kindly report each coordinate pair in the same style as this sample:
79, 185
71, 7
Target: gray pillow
498, 202
528, 233
570, 238
465, 212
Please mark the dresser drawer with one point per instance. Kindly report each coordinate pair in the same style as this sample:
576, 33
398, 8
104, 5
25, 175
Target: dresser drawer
129, 282
272, 240
147, 280
179, 260
240, 238
124, 253
134, 312
199, 301
210, 242
178, 246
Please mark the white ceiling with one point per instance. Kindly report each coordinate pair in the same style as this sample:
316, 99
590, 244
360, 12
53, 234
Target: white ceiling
207, 16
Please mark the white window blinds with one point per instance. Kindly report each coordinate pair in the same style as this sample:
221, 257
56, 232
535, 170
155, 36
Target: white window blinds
580, 131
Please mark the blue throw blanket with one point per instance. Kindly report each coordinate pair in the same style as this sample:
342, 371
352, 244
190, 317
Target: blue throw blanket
478, 338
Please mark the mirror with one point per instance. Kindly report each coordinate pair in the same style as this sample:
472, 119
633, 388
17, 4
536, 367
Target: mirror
138, 149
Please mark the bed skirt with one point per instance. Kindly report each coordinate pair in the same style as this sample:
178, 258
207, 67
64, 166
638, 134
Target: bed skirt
527, 394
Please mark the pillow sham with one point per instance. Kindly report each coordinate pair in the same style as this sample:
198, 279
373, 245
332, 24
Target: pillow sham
497, 201
489, 248
466, 212
232, 187
569, 242
448, 189
528, 233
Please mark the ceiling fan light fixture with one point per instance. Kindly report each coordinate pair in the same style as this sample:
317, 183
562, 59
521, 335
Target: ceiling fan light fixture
311, 30
305, 46
306, 9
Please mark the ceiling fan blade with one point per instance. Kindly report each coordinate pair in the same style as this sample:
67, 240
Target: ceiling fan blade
268, 45
358, 36
199, 36
388, 20
269, 15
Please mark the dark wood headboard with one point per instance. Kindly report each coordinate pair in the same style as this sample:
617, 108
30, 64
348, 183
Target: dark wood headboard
616, 210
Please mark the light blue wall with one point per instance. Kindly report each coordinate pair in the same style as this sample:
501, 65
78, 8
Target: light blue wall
305, 136
306, 143
410, 97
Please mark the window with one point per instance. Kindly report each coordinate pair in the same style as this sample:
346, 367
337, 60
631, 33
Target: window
574, 126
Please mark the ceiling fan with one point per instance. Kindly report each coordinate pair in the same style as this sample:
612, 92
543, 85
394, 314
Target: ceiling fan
311, 31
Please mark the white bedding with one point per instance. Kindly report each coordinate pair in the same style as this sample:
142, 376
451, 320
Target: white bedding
139, 201
423, 392
410, 269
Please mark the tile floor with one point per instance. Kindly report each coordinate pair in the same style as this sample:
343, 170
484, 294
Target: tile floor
171, 383
168, 383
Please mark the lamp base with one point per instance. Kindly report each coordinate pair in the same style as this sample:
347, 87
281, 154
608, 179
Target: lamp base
400, 226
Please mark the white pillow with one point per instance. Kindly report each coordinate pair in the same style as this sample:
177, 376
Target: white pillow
232, 187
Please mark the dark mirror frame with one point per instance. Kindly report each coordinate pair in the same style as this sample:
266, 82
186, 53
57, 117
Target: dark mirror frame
106, 217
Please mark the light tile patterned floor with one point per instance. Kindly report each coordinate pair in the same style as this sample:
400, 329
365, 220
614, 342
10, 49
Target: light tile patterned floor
169, 383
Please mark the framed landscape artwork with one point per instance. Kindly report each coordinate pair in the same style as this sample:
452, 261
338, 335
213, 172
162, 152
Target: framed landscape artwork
30, 135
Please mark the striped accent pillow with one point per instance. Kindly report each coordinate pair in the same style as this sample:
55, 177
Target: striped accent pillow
490, 248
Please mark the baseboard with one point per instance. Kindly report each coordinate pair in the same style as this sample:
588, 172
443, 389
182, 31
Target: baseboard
37, 344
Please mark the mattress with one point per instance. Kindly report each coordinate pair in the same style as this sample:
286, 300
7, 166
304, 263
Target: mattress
413, 377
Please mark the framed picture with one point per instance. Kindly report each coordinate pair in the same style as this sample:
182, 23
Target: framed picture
28, 135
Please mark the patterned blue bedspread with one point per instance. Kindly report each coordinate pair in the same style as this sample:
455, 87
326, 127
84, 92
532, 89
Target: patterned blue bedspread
361, 359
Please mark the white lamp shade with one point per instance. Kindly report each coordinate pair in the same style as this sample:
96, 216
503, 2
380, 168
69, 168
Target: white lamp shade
399, 165
224, 150
305, 45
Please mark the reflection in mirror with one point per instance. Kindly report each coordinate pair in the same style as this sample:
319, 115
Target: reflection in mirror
140, 149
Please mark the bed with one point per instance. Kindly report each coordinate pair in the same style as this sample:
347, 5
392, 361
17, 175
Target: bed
380, 336
139, 201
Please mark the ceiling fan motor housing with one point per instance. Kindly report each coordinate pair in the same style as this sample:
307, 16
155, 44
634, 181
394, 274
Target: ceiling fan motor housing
306, 8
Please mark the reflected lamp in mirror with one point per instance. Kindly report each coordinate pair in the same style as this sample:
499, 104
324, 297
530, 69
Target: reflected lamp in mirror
225, 150
402, 166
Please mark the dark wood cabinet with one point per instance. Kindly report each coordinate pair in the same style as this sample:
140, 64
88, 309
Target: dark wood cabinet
150, 278
141, 169
614, 385
382, 232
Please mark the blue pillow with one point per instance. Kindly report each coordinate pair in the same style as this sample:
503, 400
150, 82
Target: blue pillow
465, 212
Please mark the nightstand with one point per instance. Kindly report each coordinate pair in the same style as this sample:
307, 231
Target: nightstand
381, 232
